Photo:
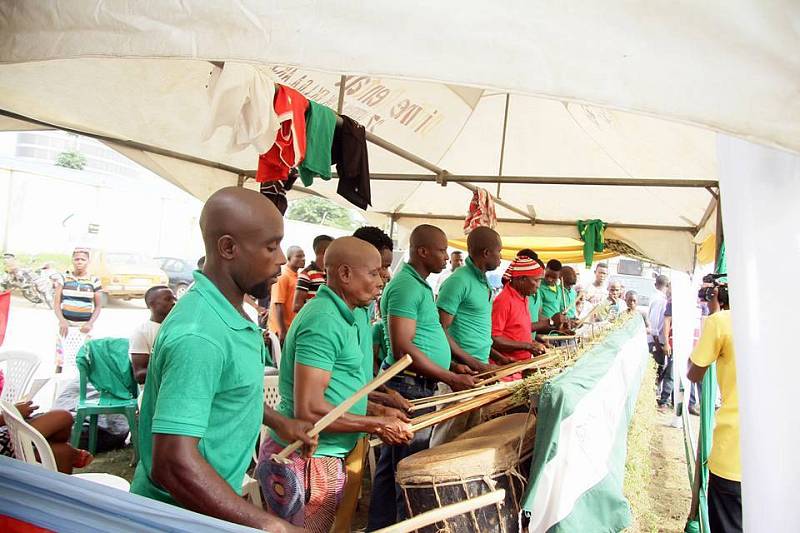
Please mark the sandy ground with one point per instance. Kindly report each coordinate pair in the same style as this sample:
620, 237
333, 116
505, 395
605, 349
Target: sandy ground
669, 490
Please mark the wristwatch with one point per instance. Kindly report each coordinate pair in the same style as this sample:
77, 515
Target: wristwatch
552, 324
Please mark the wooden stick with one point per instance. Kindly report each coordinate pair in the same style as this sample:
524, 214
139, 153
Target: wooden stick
432, 401
531, 364
343, 407
443, 513
591, 314
499, 369
436, 417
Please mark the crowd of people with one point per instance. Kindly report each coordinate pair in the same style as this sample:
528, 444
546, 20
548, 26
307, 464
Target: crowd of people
339, 321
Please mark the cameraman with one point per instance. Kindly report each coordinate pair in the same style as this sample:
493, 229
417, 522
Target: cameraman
716, 345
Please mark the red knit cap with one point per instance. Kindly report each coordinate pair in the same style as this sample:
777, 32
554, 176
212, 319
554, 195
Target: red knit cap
523, 266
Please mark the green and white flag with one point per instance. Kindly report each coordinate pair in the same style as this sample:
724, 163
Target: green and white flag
578, 464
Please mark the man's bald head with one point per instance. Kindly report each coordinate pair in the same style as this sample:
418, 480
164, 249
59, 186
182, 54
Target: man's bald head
353, 268
428, 249
484, 246
242, 231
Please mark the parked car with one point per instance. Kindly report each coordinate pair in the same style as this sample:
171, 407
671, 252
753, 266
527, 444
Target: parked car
126, 275
179, 272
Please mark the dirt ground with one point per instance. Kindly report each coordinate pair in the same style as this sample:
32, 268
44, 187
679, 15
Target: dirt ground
670, 493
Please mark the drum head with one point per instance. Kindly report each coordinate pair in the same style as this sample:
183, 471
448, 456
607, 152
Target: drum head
508, 427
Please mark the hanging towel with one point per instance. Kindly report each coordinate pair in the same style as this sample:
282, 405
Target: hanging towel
320, 125
591, 233
352, 164
290, 144
240, 97
481, 211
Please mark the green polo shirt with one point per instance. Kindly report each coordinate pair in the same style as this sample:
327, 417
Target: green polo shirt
535, 305
377, 339
551, 298
328, 335
410, 296
571, 296
205, 380
466, 296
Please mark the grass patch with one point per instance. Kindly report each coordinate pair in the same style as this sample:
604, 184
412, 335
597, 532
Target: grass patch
61, 262
639, 468
116, 462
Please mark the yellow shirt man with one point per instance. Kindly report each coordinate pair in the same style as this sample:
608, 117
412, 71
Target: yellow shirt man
716, 345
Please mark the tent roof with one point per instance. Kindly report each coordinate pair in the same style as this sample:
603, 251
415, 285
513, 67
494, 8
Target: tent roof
566, 250
136, 76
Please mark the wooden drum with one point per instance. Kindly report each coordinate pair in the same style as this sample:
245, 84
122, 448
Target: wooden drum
483, 459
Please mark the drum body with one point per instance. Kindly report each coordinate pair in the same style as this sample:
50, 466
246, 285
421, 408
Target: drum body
483, 459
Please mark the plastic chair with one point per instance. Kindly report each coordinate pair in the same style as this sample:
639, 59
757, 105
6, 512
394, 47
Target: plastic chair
28, 442
104, 405
19, 371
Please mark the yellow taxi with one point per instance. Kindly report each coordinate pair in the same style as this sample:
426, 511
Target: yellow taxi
126, 275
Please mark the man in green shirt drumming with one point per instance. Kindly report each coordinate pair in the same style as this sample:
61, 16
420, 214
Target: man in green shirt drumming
326, 359
412, 327
465, 301
203, 402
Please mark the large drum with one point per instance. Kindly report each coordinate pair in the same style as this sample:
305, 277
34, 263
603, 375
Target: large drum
481, 460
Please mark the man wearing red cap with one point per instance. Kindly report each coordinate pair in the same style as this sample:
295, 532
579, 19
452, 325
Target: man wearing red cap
511, 318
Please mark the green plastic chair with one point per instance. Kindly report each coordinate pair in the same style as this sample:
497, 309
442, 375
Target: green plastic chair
105, 364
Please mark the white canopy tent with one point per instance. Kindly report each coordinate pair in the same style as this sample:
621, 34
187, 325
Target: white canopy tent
604, 110
136, 76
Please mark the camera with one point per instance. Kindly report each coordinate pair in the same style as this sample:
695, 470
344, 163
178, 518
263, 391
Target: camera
706, 294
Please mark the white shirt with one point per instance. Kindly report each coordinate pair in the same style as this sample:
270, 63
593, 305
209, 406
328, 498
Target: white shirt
656, 315
143, 338
443, 276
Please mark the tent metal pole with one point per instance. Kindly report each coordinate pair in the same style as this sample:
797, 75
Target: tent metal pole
429, 216
720, 234
503, 142
707, 215
555, 180
340, 103
133, 144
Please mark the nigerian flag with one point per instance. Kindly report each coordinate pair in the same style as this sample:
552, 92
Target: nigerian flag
578, 463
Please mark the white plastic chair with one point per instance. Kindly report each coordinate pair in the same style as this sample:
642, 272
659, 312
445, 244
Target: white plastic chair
275, 345
19, 370
27, 441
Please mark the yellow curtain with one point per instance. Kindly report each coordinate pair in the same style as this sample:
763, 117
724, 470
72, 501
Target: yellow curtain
566, 250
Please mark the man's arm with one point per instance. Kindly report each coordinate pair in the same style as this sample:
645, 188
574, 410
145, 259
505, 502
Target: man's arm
62, 322
290, 429
139, 362
179, 469
705, 352
504, 344
667, 329
401, 333
300, 297
279, 318
446, 319
310, 405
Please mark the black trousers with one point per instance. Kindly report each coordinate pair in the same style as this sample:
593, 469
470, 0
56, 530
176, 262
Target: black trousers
724, 505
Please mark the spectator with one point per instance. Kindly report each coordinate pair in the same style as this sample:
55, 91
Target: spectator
632, 302
456, 261
569, 279
312, 277
597, 290
77, 304
725, 479
160, 300
655, 316
618, 304
282, 302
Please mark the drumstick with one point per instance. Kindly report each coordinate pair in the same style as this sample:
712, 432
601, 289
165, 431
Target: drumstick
342, 408
433, 401
532, 363
499, 369
436, 417
590, 315
443, 513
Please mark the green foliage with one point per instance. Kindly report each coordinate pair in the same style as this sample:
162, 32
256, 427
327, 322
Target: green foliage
315, 210
71, 159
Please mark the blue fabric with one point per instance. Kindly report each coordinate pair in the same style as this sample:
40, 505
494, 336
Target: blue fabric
67, 503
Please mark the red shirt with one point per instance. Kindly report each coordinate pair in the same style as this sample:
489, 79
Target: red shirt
511, 318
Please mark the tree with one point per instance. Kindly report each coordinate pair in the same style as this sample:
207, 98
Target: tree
315, 210
71, 159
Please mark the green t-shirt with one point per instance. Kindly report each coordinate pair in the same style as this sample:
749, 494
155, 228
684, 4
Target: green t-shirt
535, 307
377, 339
551, 298
206, 380
328, 335
410, 296
571, 296
466, 296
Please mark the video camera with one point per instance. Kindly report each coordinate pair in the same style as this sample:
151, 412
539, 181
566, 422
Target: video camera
706, 294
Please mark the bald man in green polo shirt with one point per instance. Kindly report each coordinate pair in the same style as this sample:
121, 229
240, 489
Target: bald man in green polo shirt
203, 402
465, 301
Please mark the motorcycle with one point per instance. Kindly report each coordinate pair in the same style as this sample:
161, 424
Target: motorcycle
35, 285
